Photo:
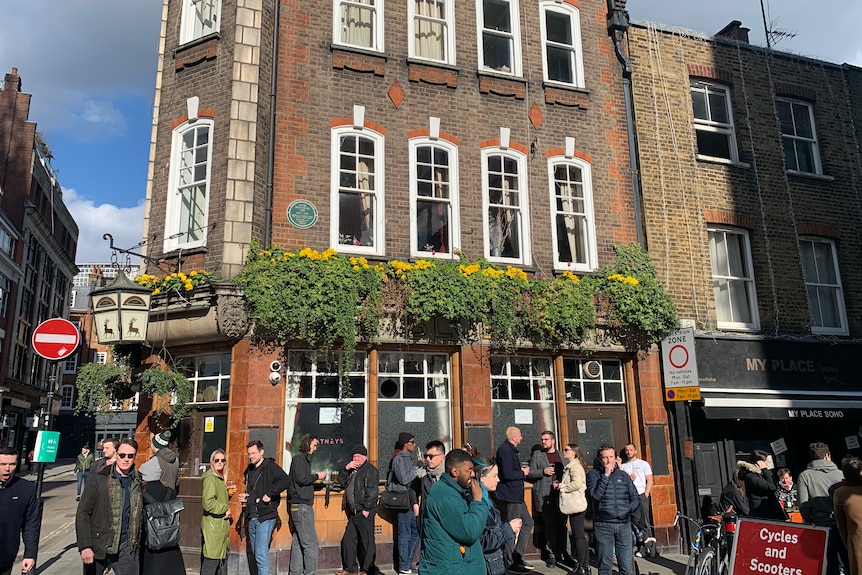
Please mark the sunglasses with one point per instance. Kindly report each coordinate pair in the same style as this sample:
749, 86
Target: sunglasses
126, 455
432, 455
218, 460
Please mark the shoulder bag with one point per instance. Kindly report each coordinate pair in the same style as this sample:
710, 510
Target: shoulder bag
162, 522
395, 500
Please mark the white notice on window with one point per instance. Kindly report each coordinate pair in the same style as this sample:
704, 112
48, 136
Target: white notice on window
414, 414
852, 442
582, 426
329, 415
779, 446
524, 416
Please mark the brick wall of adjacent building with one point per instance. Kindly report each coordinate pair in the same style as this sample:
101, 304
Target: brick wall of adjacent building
683, 195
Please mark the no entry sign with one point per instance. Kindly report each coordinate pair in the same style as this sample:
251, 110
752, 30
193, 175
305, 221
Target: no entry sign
56, 339
772, 548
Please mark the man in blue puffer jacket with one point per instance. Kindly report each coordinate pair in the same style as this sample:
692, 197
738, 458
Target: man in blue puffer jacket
614, 500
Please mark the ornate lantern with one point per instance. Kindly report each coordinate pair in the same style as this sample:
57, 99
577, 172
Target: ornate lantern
121, 312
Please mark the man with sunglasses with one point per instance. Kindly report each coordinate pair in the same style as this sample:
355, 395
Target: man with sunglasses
435, 452
402, 470
108, 521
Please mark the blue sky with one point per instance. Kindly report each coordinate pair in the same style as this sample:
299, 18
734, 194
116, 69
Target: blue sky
91, 68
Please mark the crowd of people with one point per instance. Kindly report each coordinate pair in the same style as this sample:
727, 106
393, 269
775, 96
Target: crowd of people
462, 513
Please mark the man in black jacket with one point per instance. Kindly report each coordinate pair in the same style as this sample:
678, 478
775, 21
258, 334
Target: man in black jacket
300, 492
511, 492
110, 514
264, 482
614, 500
360, 504
19, 515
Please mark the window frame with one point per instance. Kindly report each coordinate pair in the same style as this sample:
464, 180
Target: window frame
843, 329
100, 357
453, 201
189, 365
577, 59
524, 205
572, 383
378, 234
449, 56
67, 396
749, 281
173, 211
515, 35
815, 147
591, 247
377, 36
711, 125
187, 28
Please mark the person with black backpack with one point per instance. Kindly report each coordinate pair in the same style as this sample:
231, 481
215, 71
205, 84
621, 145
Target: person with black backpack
168, 560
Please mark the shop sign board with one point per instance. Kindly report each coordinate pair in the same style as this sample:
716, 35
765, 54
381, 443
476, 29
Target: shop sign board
679, 364
773, 548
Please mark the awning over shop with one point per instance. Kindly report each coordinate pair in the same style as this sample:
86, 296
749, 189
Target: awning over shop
770, 379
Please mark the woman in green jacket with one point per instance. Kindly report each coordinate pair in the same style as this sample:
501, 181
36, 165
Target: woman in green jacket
216, 520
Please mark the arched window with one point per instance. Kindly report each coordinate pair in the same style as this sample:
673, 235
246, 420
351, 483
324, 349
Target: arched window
188, 193
434, 210
573, 229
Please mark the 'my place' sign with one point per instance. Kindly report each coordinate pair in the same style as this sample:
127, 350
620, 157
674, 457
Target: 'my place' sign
772, 548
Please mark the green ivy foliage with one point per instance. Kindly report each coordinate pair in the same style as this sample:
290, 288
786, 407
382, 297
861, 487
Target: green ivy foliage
98, 385
167, 383
327, 300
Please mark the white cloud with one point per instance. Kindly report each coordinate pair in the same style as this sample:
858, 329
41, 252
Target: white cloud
124, 224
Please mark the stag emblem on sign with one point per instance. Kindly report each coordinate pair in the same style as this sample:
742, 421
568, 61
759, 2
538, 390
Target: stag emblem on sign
133, 329
108, 331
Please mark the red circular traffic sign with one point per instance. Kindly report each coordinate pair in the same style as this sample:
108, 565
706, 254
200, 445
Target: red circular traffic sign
56, 339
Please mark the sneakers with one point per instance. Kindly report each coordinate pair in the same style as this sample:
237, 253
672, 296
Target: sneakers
638, 554
518, 568
551, 562
405, 572
527, 566
649, 540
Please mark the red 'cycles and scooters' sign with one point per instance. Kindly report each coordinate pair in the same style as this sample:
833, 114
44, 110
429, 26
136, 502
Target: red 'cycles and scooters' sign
772, 548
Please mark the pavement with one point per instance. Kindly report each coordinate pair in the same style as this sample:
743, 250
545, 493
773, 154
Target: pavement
58, 552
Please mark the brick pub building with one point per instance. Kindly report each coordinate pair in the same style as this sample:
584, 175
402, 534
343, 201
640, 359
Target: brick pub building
261, 103
750, 168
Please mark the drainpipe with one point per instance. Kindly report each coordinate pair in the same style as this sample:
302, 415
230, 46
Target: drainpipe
618, 25
270, 155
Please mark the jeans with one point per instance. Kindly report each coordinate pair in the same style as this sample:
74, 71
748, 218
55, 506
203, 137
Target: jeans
259, 534
514, 552
641, 516
82, 477
608, 537
303, 549
836, 552
555, 525
408, 539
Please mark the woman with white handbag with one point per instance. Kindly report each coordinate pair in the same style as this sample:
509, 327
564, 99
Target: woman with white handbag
573, 502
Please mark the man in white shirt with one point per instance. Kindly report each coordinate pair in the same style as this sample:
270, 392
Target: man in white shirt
641, 474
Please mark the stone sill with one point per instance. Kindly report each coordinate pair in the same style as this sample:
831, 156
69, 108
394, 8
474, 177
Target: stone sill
358, 59
722, 161
810, 176
197, 51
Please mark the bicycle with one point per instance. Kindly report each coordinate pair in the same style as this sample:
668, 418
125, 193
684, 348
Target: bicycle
712, 545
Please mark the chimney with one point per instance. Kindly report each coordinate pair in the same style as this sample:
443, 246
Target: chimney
734, 31
12, 81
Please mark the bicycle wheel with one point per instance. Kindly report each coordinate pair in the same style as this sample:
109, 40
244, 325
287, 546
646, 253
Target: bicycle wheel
706, 563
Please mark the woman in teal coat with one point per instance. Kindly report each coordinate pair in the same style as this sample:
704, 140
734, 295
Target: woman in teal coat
216, 520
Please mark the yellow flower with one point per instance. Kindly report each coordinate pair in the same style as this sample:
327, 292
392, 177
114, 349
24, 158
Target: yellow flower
188, 285
193, 273
516, 273
571, 276
156, 291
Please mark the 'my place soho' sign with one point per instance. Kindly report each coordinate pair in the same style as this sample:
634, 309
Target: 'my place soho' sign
772, 548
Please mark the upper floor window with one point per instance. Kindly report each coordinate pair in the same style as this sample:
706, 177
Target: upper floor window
100, 357
505, 204
5, 291
823, 286
432, 30
67, 396
561, 40
713, 121
574, 223
357, 191
7, 243
434, 197
359, 23
200, 18
798, 136
499, 36
71, 364
733, 279
188, 196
